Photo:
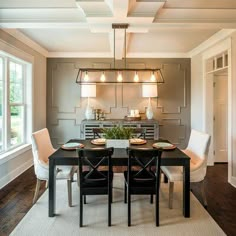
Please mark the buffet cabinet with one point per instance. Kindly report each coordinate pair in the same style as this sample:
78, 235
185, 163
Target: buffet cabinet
151, 126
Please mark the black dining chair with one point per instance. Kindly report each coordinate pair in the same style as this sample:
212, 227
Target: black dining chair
95, 181
97, 132
146, 180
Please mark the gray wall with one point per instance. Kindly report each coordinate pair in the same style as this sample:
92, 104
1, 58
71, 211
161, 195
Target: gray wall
65, 108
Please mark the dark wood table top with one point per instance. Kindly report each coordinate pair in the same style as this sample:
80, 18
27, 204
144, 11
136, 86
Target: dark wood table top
120, 154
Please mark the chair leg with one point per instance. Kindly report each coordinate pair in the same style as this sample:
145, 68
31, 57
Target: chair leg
69, 193
157, 208
109, 206
85, 199
129, 209
165, 178
77, 172
36, 193
125, 197
151, 199
171, 192
203, 193
81, 211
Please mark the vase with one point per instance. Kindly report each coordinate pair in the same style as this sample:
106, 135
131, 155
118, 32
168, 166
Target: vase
117, 143
89, 112
149, 111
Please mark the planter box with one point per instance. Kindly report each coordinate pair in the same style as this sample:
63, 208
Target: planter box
117, 143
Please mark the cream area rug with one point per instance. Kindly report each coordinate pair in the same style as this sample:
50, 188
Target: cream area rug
172, 222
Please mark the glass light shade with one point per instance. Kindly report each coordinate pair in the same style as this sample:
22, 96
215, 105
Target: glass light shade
119, 78
86, 77
149, 90
136, 78
88, 90
103, 78
153, 77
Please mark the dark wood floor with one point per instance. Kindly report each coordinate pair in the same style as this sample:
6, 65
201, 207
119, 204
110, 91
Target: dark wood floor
16, 199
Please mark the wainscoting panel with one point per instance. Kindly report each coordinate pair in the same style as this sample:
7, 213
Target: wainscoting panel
65, 107
63, 79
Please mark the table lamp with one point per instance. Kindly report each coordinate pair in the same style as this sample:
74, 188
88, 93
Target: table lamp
149, 91
88, 90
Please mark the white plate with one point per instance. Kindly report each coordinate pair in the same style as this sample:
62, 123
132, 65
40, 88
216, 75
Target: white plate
71, 146
137, 141
164, 145
99, 141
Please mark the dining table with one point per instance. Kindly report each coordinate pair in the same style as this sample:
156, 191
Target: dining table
170, 157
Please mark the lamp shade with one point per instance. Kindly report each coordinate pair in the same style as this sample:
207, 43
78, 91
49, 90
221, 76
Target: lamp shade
149, 90
88, 90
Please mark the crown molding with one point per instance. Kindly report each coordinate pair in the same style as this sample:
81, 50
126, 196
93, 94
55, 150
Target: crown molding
158, 55
110, 55
80, 55
26, 40
220, 35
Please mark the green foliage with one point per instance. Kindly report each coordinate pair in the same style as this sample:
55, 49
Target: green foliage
118, 132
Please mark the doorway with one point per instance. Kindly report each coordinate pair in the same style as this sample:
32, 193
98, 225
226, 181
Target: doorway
217, 68
220, 116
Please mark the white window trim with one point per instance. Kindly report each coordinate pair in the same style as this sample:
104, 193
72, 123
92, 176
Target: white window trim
6, 156
20, 56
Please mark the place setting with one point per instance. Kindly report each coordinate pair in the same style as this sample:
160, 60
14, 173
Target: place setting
137, 141
98, 141
72, 146
164, 145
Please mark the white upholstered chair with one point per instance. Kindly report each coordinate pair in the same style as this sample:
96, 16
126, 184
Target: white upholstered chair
42, 148
197, 150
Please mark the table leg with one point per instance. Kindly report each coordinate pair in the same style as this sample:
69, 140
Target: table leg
51, 189
186, 189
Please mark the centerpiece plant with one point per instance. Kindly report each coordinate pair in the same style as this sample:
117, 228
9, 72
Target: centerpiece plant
118, 132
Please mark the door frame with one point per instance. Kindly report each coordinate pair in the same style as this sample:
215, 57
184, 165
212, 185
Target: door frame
223, 46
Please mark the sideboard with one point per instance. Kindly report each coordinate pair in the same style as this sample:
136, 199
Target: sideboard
151, 126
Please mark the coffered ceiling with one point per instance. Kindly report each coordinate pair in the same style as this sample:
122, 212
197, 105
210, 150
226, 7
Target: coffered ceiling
75, 28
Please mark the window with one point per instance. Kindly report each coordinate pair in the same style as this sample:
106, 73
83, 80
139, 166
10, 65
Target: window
13, 105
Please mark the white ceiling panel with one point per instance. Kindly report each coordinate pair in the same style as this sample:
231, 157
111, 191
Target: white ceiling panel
69, 40
39, 15
169, 41
37, 4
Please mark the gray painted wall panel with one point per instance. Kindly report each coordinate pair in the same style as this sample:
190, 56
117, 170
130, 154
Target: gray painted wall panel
65, 108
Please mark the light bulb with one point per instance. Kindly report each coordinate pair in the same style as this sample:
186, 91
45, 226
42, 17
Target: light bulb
86, 77
103, 78
153, 77
119, 78
136, 78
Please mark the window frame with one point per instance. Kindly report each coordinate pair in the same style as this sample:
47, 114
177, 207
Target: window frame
6, 106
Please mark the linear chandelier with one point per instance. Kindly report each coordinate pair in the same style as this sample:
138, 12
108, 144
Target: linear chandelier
119, 75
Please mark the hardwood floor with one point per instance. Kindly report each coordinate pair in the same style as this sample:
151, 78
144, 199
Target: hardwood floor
16, 199
221, 198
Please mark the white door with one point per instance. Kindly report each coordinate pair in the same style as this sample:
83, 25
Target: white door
220, 119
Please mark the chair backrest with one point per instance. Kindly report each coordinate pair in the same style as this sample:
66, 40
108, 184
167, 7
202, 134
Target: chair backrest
139, 133
199, 144
94, 158
97, 132
41, 146
145, 159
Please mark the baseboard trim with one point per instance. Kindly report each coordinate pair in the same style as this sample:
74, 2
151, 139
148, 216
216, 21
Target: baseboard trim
15, 173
